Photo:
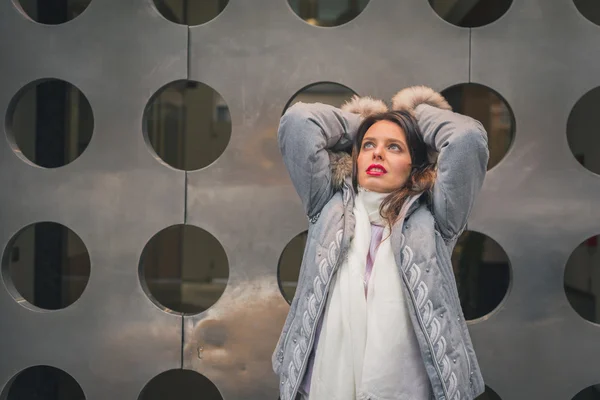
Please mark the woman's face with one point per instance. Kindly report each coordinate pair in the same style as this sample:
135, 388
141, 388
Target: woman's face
384, 161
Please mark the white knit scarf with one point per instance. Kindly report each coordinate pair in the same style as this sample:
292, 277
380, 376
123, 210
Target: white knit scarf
367, 347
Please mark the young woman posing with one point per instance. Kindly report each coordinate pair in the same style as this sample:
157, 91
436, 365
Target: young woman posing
376, 313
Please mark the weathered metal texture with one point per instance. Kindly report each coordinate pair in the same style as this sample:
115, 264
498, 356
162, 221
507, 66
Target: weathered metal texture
115, 196
538, 203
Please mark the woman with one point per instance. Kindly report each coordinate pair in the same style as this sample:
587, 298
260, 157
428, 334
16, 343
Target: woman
376, 313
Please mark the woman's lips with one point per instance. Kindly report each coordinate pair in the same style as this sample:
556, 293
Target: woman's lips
376, 170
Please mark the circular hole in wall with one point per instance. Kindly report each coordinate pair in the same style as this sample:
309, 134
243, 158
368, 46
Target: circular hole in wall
589, 393
42, 382
178, 384
329, 93
46, 265
589, 9
489, 394
582, 280
581, 131
187, 124
488, 107
52, 12
470, 13
190, 12
327, 13
288, 269
482, 271
49, 123
184, 268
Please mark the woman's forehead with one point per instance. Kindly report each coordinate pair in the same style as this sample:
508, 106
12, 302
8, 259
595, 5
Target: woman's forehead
385, 130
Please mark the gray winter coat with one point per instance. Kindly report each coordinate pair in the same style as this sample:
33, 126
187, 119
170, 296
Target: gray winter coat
309, 136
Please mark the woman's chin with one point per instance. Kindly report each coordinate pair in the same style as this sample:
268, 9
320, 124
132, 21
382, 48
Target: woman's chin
374, 187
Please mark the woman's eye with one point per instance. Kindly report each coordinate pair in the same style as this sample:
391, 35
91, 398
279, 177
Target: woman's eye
395, 147
367, 145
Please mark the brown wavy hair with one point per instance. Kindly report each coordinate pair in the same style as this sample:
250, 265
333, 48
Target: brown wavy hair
423, 173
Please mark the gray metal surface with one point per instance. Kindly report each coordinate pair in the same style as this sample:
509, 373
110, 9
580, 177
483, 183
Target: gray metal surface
539, 204
542, 56
116, 196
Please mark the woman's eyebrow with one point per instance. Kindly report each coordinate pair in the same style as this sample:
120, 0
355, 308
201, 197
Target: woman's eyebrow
387, 140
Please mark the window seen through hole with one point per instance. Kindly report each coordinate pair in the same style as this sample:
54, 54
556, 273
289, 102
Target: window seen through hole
177, 384
52, 12
482, 272
328, 13
184, 268
582, 136
188, 125
470, 13
43, 382
47, 265
50, 123
489, 108
289, 266
582, 280
190, 12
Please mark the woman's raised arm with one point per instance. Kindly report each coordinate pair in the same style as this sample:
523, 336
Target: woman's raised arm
306, 132
462, 145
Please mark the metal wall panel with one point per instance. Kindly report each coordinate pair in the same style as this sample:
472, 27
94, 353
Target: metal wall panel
116, 196
542, 56
539, 203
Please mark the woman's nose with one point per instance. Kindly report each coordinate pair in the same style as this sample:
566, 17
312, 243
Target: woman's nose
377, 154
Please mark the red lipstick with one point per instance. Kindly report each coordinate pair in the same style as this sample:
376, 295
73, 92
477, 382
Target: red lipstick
376, 170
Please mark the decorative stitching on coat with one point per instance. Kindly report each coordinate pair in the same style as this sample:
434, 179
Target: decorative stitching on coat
314, 218
433, 327
310, 314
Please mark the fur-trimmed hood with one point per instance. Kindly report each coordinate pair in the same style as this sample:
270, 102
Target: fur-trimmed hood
407, 100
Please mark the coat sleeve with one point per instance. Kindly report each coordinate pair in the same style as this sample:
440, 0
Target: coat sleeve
306, 132
462, 163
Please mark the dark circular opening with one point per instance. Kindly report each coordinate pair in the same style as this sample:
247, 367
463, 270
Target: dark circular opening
178, 384
187, 124
488, 107
190, 13
589, 9
46, 265
52, 12
50, 123
581, 131
482, 271
582, 281
330, 93
327, 13
184, 269
489, 394
42, 382
469, 13
288, 269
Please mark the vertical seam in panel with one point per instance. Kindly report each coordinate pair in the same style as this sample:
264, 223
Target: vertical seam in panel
182, 338
188, 52
185, 213
470, 54
185, 193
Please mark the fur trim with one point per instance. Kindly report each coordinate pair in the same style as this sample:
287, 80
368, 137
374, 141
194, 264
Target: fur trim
365, 106
408, 99
341, 168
